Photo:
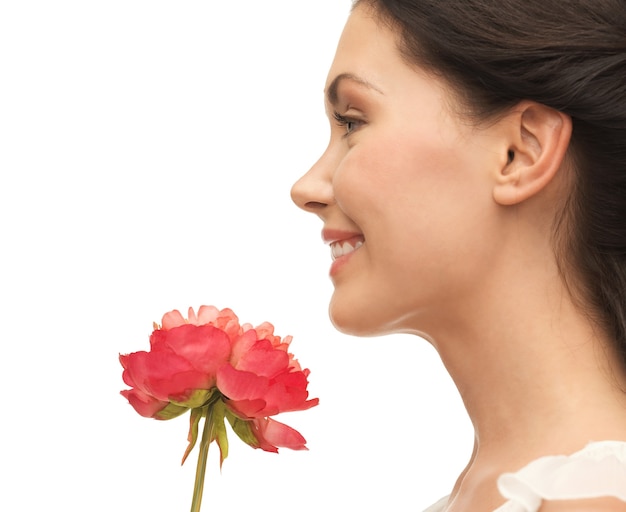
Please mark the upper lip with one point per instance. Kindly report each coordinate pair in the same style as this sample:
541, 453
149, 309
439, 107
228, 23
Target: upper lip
334, 235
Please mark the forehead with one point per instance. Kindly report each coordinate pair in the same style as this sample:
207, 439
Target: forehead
368, 57
367, 48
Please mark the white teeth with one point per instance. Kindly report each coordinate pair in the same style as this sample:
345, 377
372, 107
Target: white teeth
339, 249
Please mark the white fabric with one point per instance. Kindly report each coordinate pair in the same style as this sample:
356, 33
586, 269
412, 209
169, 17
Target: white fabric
440, 506
598, 470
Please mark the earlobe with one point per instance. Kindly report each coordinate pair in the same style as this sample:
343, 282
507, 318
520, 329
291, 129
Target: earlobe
538, 137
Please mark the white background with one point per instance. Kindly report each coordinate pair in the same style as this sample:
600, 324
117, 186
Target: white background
147, 149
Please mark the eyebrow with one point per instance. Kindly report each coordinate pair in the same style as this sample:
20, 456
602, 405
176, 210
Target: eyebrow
331, 93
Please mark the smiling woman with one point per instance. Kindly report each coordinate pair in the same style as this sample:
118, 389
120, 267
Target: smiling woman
472, 192
393, 136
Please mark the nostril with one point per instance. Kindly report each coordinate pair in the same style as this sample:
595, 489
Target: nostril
314, 205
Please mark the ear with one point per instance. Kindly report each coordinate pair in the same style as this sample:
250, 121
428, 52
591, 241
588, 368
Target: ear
537, 138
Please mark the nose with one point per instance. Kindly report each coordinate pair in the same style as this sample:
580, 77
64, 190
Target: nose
313, 192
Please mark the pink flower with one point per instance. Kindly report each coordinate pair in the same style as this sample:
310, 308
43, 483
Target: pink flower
210, 357
180, 368
262, 378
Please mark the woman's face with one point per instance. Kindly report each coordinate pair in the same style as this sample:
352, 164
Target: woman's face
403, 189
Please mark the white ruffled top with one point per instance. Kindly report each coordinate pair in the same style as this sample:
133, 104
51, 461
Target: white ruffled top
598, 470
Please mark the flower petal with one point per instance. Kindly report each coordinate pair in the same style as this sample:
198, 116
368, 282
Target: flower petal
248, 409
272, 432
263, 359
144, 404
172, 319
207, 315
226, 320
240, 385
288, 393
163, 375
204, 346
242, 344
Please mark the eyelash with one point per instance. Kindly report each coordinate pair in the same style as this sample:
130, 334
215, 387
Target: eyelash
345, 121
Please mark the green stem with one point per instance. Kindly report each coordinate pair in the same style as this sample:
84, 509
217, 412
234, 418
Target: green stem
207, 434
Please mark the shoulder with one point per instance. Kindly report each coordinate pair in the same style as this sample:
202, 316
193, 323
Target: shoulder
586, 505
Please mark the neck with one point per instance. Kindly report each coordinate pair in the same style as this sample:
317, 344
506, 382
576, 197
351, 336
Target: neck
537, 377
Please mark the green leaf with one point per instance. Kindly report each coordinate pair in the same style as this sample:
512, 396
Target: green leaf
197, 399
219, 430
192, 437
171, 411
243, 429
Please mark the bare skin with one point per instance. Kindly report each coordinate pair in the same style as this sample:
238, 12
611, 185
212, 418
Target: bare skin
456, 226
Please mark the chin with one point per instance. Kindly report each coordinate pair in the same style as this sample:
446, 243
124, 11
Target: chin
356, 322
356, 318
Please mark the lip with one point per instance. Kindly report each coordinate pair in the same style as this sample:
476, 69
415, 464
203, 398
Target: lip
336, 235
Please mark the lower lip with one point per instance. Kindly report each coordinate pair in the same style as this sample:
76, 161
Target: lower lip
340, 262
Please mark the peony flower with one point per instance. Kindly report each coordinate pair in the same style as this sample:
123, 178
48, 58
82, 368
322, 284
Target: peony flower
220, 370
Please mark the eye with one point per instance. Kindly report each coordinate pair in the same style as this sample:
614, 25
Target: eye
349, 123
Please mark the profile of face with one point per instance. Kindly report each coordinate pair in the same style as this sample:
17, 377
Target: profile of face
404, 190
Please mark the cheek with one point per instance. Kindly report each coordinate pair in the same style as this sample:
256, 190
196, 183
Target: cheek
409, 175
421, 205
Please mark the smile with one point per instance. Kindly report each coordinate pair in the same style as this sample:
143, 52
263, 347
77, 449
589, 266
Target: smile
343, 247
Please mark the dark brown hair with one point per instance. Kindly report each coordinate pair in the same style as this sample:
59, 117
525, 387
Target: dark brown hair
571, 56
